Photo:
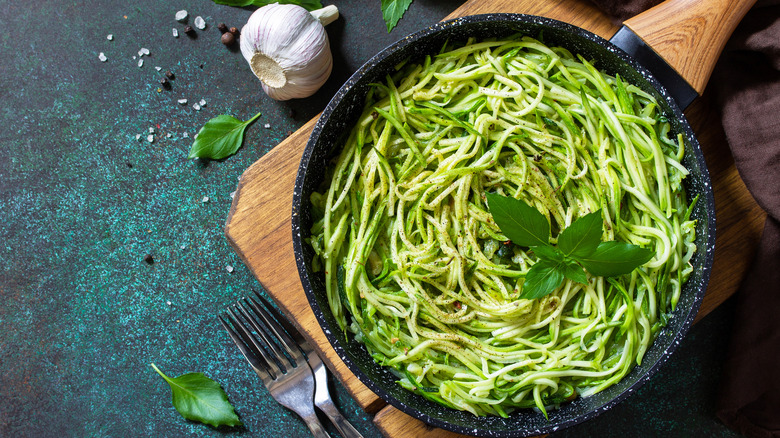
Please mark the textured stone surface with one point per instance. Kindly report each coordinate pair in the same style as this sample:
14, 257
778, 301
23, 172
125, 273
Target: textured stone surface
82, 201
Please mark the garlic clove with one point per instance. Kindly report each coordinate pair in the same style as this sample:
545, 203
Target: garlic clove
287, 48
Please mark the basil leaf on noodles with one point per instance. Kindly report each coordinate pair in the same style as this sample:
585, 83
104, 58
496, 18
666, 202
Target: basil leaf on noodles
615, 258
520, 222
583, 236
542, 279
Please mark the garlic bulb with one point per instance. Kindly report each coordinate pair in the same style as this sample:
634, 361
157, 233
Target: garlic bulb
288, 49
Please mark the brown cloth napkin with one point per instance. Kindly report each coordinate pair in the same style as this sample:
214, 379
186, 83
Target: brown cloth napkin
746, 82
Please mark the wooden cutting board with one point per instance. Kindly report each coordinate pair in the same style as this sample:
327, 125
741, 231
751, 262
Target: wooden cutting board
258, 225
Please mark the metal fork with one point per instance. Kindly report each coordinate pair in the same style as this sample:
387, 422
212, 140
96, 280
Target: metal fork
291, 383
322, 398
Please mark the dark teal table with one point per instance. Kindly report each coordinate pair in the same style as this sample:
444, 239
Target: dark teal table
83, 201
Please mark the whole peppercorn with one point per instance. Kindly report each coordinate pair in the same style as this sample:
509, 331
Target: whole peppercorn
234, 31
164, 82
228, 39
222, 27
170, 75
188, 30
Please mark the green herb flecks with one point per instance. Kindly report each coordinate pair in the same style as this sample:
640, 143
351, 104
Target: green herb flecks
579, 246
199, 398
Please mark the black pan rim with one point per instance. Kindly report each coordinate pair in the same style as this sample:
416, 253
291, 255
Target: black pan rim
336, 342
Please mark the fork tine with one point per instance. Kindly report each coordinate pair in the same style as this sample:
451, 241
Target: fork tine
286, 325
251, 342
274, 325
277, 354
241, 343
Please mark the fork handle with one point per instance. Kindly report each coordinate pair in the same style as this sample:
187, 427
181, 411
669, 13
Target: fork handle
344, 427
314, 425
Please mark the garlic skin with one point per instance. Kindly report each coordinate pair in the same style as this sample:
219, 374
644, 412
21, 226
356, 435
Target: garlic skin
288, 50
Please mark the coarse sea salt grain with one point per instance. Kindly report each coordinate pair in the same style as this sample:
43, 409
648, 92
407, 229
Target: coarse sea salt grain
138, 136
196, 106
205, 199
140, 63
143, 51
267, 126
150, 138
110, 37
229, 268
182, 101
186, 135
102, 57
157, 68
202, 102
175, 32
181, 15
151, 130
200, 23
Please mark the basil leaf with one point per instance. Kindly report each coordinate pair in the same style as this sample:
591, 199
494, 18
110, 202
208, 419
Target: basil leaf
542, 279
199, 398
220, 137
393, 10
548, 252
310, 5
573, 271
583, 236
520, 222
615, 258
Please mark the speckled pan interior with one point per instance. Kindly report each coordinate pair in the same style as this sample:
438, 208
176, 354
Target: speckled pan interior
339, 117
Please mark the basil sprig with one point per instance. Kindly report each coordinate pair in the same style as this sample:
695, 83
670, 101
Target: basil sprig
199, 398
579, 246
220, 137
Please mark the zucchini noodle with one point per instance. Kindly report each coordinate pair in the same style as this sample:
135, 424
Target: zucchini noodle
416, 268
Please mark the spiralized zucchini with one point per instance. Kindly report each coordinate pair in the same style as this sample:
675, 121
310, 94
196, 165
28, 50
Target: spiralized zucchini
416, 268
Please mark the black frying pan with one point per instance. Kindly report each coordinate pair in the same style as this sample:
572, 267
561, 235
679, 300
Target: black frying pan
342, 112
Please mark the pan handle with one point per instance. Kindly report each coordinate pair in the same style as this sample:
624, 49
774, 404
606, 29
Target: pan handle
690, 34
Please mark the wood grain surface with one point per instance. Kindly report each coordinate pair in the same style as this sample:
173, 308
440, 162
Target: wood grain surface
690, 34
258, 226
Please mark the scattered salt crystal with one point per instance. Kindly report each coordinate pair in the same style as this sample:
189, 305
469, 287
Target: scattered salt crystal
150, 138
110, 37
158, 68
168, 135
202, 102
267, 126
102, 57
135, 57
175, 32
200, 23
182, 101
232, 195
205, 199
196, 106
143, 51
183, 246
194, 137
181, 15
151, 130
138, 136
168, 303
140, 63
229, 268
186, 135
